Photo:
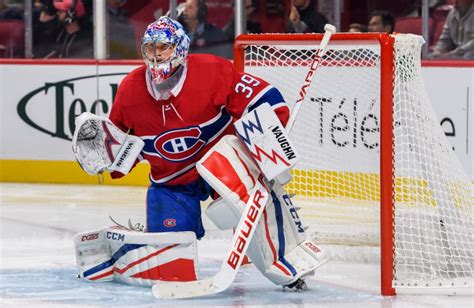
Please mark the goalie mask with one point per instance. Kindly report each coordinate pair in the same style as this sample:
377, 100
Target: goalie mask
165, 48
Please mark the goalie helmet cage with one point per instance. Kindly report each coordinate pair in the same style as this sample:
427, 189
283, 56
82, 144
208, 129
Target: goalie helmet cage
376, 168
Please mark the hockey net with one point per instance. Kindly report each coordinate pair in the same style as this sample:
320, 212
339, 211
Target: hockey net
371, 143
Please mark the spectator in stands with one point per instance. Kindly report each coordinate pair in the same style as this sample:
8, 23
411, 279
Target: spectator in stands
120, 33
355, 27
12, 30
305, 18
64, 23
46, 28
201, 33
413, 8
251, 25
457, 38
381, 21
10, 11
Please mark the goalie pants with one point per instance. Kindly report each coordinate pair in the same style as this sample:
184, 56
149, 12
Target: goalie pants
176, 208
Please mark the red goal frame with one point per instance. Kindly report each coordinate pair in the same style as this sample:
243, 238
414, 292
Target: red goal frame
386, 43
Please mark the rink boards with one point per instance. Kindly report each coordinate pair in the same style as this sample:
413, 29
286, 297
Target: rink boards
41, 99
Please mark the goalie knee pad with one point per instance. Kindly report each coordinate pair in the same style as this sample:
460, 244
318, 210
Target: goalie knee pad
222, 215
229, 170
136, 258
278, 249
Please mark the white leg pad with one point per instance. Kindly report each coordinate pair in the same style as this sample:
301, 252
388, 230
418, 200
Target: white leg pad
278, 249
93, 251
136, 258
298, 263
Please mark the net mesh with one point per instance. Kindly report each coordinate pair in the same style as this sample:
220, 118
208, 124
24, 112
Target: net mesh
434, 204
337, 182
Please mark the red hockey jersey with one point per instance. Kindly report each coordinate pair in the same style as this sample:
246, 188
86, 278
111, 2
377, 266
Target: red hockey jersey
179, 131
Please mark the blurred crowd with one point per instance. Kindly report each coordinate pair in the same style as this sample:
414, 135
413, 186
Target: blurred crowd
64, 28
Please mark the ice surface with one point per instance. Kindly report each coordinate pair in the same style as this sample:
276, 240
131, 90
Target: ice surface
37, 263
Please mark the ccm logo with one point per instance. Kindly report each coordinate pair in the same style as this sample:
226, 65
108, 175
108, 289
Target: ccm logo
90, 237
249, 221
312, 247
115, 236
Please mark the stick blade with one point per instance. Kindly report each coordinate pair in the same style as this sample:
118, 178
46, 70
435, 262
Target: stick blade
180, 289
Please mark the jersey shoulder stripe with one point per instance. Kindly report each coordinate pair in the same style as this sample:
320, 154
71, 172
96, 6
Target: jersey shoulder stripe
269, 95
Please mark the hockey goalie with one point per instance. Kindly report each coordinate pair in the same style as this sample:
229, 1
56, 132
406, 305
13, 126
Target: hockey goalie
207, 131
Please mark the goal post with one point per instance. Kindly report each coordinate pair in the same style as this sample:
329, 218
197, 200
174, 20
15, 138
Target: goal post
386, 164
377, 173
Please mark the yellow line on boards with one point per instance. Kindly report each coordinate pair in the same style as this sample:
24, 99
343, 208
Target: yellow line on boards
305, 183
67, 172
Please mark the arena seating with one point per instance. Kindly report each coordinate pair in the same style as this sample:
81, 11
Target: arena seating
12, 38
411, 25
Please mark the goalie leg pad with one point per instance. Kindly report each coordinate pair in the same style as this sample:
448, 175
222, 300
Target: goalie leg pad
93, 256
278, 247
229, 170
138, 258
280, 250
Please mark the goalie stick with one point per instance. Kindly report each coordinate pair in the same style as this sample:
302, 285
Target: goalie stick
245, 229
329, 31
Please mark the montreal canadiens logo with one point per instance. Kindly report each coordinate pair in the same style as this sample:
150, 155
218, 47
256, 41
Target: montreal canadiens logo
179, 145
169, 223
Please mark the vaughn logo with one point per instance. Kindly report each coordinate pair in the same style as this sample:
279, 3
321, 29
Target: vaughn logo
126, 152
284, 144
66, 100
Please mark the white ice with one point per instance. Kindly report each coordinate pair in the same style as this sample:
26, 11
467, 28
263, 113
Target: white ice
37, 263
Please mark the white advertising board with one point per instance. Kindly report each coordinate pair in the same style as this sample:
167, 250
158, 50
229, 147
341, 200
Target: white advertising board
40, 102
451, 92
